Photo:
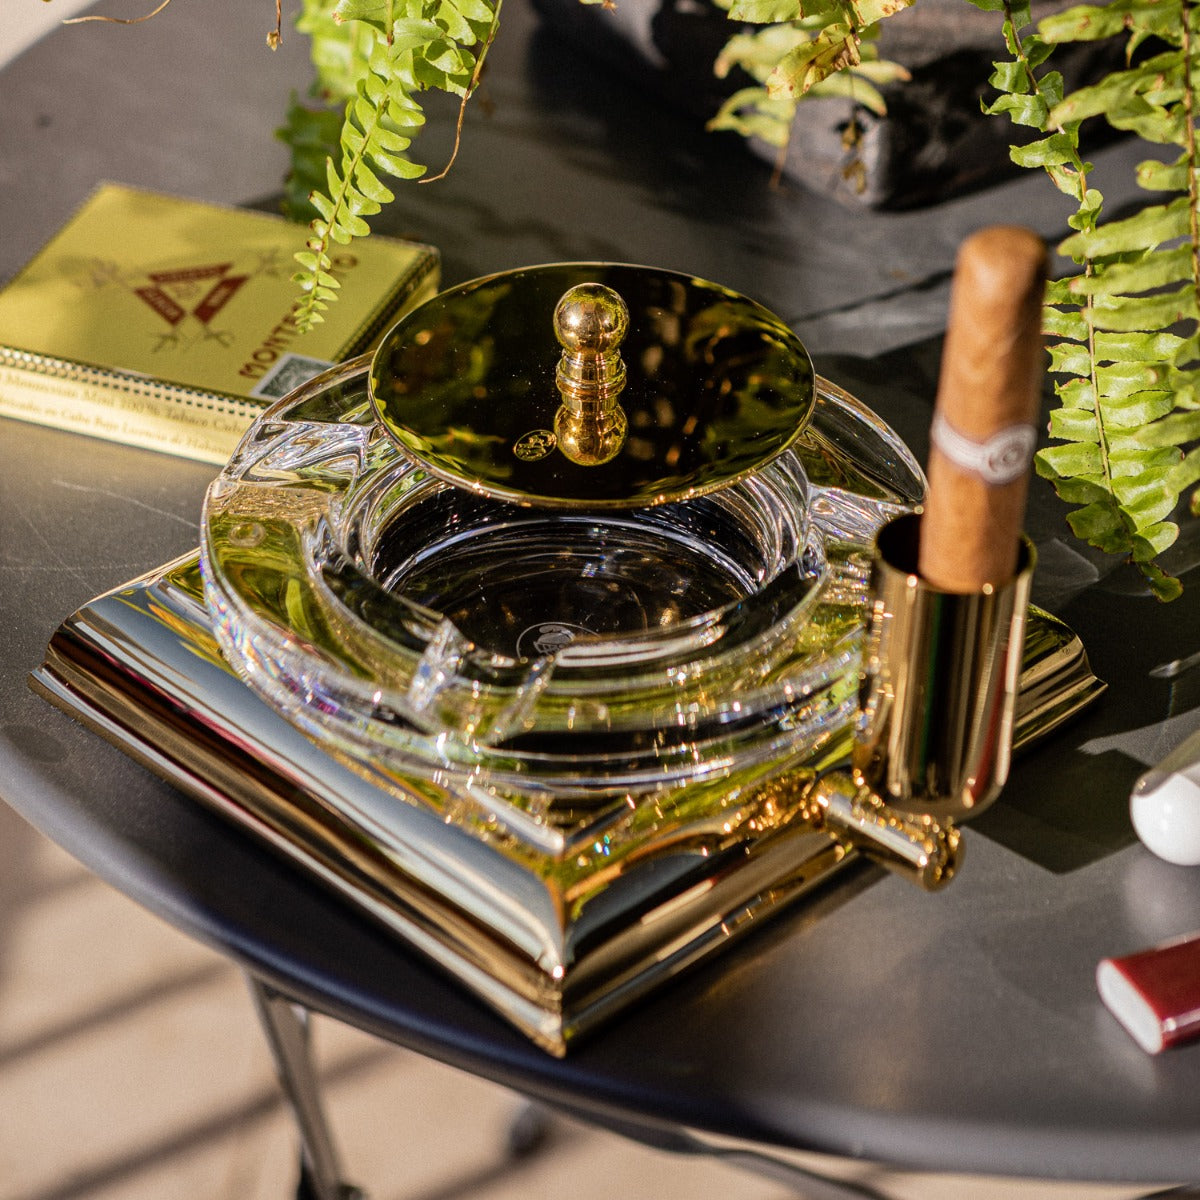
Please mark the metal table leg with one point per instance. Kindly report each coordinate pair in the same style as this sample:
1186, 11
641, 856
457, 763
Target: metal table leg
285, 1024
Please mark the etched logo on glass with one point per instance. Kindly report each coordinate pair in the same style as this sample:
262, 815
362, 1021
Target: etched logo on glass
548, 637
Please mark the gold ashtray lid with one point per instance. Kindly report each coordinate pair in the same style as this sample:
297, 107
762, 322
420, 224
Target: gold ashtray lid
592, 385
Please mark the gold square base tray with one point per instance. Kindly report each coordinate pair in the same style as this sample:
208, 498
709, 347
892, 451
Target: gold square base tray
140, 665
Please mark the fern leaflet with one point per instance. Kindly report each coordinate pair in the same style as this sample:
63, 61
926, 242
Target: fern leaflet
395, 50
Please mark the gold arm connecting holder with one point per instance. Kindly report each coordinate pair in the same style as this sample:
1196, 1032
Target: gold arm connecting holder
922, 850
937, 699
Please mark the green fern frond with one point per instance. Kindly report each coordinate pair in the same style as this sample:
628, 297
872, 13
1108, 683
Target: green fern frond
823, 50
339, 49
1125, 332
769, 112
807, 44
391, 51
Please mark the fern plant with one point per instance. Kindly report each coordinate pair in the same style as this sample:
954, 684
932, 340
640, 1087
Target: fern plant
375, 56
1125, 330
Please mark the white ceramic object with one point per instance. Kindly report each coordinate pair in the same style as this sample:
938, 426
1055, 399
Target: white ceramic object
1165, 805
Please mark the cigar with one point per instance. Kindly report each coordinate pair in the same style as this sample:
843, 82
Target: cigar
985, 417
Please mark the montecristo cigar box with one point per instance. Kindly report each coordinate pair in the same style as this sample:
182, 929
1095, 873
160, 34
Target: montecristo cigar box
167, 323
531, 635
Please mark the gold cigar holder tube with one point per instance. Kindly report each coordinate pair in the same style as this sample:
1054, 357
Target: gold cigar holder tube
937, 698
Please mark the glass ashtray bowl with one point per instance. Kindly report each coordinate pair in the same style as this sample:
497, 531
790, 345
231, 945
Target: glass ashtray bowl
547, 662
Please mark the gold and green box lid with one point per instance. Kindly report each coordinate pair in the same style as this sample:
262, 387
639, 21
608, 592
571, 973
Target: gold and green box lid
145, 301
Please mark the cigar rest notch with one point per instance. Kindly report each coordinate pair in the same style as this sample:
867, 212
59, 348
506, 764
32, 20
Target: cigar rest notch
938, 694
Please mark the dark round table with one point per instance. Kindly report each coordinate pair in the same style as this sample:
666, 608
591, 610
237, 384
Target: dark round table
960, 1031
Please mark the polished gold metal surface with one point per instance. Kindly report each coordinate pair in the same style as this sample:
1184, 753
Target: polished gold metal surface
142, 667
918, 848
940, 678
590, 322
716, 387
556, 943
1056, 678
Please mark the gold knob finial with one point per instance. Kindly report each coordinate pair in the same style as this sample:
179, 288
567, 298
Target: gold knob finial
590, 322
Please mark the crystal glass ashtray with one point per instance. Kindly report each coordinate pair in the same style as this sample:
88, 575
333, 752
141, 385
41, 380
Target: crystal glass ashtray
535, 634
548, 669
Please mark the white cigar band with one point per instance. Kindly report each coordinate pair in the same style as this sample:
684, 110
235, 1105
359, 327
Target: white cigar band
1002, 459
